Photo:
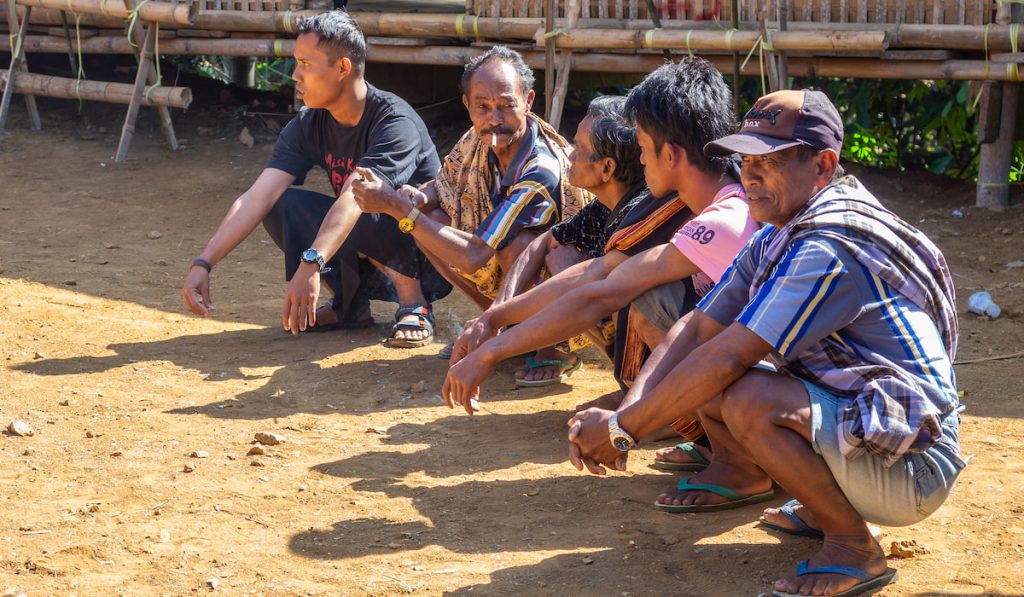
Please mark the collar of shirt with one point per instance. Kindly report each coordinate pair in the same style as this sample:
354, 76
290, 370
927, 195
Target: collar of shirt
510, 176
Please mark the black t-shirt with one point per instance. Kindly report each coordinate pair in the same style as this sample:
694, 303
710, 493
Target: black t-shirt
389, 139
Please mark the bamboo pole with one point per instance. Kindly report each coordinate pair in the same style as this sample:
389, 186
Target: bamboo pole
869, 68
621, 39
46, 16
115, 93
152, 78
145, 58
154, 11
17, 65
564, 68
549, 57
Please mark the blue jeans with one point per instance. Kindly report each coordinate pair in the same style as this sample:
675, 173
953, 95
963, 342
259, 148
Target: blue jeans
905, 493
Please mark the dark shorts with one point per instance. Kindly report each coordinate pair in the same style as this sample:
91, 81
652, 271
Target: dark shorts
664, 305
294, 222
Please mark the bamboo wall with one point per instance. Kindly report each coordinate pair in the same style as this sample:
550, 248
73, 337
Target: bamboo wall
923, 12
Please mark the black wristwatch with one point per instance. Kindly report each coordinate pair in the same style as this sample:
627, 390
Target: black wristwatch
313, 256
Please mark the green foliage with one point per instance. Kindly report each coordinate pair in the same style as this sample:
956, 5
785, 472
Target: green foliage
271, 73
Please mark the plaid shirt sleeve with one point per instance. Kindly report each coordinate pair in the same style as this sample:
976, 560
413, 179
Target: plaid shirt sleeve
530, 203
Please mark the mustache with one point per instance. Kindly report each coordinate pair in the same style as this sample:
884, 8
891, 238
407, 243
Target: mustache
498, 130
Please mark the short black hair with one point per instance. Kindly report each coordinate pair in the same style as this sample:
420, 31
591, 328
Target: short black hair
613, 137
339, 36
688, 104
506, 55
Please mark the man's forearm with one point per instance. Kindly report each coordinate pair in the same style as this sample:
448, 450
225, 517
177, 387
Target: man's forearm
453, 246
526, 268
337, 224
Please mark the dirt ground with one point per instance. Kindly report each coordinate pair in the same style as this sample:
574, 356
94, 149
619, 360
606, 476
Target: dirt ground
378, 488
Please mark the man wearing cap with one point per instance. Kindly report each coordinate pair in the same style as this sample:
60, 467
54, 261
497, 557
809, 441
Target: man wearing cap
855, 309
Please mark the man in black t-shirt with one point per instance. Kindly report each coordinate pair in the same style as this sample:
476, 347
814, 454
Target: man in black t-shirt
347, 123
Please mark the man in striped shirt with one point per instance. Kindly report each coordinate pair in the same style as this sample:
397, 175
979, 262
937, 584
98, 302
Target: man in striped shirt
854, 308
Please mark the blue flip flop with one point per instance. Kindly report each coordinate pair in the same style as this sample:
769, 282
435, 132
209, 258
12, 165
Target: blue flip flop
735, 499
867, 581
801, 530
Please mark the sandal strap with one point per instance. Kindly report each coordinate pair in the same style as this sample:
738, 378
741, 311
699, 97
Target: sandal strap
732, 496
532, 364
861, 575
688, 449
788, 511
424, 312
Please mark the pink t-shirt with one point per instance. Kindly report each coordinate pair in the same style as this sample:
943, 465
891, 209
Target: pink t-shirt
713, 238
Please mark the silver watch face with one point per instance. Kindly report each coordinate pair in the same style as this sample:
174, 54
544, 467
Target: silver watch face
311, 256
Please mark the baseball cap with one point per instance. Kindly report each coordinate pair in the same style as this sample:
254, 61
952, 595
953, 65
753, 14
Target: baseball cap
784, 119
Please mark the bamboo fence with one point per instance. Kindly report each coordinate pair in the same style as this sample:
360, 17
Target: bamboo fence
116, 93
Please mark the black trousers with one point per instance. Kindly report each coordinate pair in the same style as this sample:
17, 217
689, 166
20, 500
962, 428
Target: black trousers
293, 224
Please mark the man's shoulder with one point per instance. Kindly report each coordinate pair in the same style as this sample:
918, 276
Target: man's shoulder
386, 104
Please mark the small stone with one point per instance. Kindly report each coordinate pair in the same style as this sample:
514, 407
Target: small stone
65, 402
39, 355
257, 451
302, 488
246, 138
212, 583
907, 548
418, 387
377, 430
117, 453
165, 535
20, 428
532, 492
269, 439
110, 246
199, 454
162, 262
91, 434
188, 468
231, 457
94, 508
669, 540
263, 479
28, 451
71, 282
257, 462
154, 234
1015, 264
587, 560
394, 545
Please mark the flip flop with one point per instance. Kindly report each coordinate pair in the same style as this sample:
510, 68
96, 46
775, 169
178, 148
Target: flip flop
567, 370
801, 530
445, 353
424, 321
699, 462
868, 582
735, 500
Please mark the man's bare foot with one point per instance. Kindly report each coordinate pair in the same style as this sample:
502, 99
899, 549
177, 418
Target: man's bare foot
609, 401
547, 372
678, 456
743, 481
859, 551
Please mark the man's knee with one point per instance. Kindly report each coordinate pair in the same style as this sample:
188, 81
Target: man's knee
748, 405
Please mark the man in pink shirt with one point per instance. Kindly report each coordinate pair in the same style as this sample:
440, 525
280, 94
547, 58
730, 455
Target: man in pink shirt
676, 109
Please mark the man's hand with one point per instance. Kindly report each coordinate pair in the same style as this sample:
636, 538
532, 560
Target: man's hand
374, 196
589, 444
196, 291
476, 332
414, 197
299, 310
462, 385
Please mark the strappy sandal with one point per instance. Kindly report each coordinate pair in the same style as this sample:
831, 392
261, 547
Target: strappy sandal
424, 321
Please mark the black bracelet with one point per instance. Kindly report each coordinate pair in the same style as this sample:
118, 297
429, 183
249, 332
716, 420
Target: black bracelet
202, 263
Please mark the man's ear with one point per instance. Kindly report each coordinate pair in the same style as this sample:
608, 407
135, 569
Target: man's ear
607, 169
826, 163
344, 67
529, 99
465, 101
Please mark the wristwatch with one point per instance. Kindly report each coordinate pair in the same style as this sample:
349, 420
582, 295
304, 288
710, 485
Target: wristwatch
407, 223
622, 440
313, 256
